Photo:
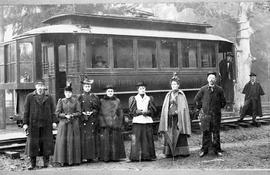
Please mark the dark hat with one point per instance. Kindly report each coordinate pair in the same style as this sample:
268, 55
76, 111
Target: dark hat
68, 88
141, 83
252, 74
175, 78
109, 86
211, 73
40, 81
87, 81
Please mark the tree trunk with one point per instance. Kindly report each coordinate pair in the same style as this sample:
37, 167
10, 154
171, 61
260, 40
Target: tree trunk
243, 55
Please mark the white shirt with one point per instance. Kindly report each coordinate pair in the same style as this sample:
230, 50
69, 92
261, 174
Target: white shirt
142, 104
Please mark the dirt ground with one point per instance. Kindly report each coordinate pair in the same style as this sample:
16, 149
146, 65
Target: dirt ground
244, 148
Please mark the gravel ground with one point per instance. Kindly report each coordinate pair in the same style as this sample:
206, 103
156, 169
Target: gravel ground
243, 148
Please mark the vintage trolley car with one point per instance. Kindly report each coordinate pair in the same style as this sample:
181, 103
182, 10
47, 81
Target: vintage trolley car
109, 49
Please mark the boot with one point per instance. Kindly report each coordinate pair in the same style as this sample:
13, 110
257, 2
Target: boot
32, 163
45, 161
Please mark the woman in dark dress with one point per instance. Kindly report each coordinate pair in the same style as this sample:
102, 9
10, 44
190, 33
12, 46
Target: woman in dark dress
89, 122
175, 121
68, 145
111, 122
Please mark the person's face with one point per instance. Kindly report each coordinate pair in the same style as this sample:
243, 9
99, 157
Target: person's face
252, 79
68, 94
87, 87
40, 88
229, 58
174, 85
211, 79
141, 90
110, 92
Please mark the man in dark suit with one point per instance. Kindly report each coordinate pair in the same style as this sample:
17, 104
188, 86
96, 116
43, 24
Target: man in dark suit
38, 122
252, 105
227, 78
211, 99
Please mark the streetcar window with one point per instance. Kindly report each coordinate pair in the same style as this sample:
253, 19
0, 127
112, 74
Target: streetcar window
147, 54
97, 52
62, 55
123, 53
73, 61
26, 62
48, 60
189, 51
168, 54
10, 61
2, 65
208, 58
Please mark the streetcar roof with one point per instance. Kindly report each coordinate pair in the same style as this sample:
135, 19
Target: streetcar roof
100, 30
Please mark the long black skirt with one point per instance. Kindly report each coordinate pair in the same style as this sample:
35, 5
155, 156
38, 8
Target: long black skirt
142, 142
111, 145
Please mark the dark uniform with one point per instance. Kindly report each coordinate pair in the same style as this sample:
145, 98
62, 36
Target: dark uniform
211, 100
252, 105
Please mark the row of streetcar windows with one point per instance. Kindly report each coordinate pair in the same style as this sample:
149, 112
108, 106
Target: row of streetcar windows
147, 51
126, 53
8, 64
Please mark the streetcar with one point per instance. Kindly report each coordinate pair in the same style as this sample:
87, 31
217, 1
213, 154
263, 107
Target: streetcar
109, 49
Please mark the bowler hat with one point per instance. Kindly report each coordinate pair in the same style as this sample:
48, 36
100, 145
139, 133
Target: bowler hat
141, 83
40, 81
109, 86
211, 73
252, 74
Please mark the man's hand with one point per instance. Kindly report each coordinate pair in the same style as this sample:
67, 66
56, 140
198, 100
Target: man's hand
25, 127
54, 125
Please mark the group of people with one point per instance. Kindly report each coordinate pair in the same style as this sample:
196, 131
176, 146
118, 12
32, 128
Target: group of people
90, 128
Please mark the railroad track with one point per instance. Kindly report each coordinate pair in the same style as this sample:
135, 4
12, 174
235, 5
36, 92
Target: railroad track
227, 123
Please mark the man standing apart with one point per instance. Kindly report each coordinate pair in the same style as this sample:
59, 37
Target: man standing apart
38, 123
252, 105
211, 99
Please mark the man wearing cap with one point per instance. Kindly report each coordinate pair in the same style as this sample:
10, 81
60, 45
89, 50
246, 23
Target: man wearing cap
210, 99
90, 105
227, 78
142, 109
38, 123
252, 104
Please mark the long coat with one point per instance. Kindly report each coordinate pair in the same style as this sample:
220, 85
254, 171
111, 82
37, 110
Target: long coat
89, 125
68, 145
111, 121
257, 94
227, 76
211, 103
36, 114
172, 134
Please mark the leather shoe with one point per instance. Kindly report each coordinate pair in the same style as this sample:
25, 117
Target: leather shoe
219, 154
31, 167
202, 153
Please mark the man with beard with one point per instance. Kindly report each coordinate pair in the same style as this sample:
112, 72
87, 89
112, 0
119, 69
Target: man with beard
211, 99
38, 123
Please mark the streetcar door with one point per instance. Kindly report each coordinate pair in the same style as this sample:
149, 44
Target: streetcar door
61, 70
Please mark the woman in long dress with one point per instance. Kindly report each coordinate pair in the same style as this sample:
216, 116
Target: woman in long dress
175, 121
111, 123
68, 146
142, 109
90, 105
